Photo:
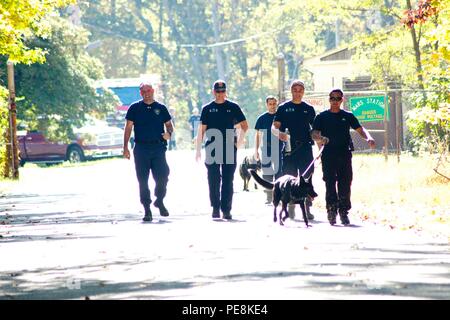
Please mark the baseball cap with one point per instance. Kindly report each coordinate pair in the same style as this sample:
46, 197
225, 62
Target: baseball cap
220, 86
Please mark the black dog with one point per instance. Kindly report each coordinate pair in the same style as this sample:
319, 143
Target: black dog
247, 164
287, 189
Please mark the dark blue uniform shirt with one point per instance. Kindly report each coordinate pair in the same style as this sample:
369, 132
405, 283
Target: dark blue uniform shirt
336, 127
264, 122
148, 121
221, 116
298, 118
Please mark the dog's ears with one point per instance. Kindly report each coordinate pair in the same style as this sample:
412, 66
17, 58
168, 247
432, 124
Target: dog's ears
302, 179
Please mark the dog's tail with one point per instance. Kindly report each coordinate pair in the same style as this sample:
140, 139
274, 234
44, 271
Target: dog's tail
266, 184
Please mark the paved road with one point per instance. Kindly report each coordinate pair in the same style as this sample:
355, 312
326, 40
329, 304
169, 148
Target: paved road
71, 233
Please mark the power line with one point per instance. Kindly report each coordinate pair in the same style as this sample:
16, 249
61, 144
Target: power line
225, 43
97, 28
190, 45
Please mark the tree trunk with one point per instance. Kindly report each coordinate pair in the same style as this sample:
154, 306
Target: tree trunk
217, 50
193, 54
113, 9
416, 51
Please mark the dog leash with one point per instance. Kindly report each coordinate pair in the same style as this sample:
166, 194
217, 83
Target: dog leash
314, 160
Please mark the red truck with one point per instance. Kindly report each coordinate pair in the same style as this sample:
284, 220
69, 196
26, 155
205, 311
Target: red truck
95, 140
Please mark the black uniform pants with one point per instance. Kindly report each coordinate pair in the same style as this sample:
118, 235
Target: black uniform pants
337, 172
297, 162
150, 158
220, 181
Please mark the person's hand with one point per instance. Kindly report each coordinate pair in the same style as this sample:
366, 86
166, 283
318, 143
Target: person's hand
198, 155
166, 136
324, 140
256, 155
126, 153
239, 144
371, 143
283, 136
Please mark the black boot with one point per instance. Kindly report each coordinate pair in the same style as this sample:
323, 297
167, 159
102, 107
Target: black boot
148, 214
343, 214
227, 215
216, 213
162, 209
331, 214
332, 217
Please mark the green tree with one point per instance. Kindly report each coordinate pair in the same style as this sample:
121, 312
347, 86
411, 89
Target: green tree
20, 19
56, 95
429, 122
191, 43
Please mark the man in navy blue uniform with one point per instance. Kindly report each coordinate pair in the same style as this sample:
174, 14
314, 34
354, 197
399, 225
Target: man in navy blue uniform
194, 120
270, 145
219, 120
149, 118
296, 116
332, 128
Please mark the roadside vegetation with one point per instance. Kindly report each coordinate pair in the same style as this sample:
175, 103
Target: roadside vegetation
407, 195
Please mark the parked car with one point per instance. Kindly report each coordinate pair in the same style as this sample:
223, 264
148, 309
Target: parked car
94, 140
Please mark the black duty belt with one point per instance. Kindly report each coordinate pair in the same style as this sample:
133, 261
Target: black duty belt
148, 141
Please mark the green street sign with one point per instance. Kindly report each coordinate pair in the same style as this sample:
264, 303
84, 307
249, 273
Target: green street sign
369, 109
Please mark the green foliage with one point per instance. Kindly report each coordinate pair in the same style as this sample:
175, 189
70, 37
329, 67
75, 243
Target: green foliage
22, 19
142, 36
60, 92
429, 121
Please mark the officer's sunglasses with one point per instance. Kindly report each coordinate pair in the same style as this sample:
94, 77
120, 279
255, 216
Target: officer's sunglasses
335, 98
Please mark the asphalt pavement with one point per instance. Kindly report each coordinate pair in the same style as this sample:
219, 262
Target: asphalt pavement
77, 233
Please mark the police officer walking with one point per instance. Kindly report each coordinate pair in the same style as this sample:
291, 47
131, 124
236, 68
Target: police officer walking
149, 117
219, 120
332, 128
270, 145
296, 117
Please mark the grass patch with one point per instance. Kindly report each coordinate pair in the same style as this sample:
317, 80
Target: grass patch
406, 194
6, 185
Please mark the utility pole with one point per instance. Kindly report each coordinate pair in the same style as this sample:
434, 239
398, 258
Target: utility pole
11, 135
281, 77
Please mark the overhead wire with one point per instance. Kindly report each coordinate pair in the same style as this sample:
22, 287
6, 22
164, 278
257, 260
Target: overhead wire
188, 45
